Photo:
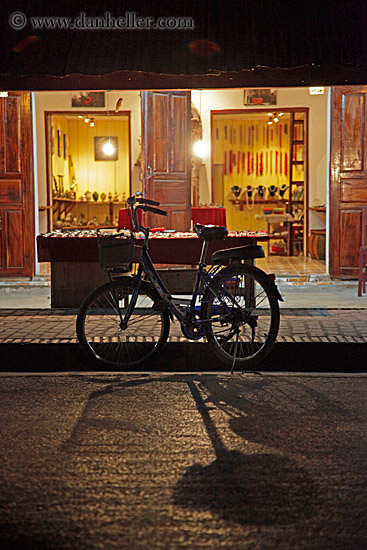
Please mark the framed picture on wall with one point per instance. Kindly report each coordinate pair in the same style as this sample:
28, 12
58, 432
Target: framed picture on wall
88, 99
260, 96
105, 148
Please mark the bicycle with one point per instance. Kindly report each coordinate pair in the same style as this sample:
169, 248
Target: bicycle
233, 304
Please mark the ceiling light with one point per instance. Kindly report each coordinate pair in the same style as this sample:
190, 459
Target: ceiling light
108, 148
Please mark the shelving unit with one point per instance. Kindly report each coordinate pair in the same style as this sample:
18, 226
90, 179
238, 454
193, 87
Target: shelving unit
63, 206
297, 158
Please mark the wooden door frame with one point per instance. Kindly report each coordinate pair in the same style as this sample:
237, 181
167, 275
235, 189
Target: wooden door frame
28, 191
271, 108
47, 122
335, 199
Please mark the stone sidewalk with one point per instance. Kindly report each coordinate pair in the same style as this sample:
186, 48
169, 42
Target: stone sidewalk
57, 326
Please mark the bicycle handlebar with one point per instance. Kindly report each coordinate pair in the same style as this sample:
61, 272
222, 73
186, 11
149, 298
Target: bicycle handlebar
154, 210
141, 203
147, 201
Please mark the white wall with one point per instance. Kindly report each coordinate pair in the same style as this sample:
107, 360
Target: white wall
213, 100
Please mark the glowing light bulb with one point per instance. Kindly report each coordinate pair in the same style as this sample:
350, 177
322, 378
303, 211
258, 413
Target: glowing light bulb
200, 149
108, 148
86, 120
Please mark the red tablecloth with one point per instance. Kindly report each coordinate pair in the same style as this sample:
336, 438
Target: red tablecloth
124, 220
207, 216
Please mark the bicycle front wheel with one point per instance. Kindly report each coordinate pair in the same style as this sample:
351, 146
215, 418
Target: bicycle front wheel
101, 330
241, 316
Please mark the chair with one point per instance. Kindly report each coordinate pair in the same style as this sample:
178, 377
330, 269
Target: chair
362, 271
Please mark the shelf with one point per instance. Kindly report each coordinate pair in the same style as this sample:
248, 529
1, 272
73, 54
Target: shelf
318, 209
242, 202
85, 227
78, 201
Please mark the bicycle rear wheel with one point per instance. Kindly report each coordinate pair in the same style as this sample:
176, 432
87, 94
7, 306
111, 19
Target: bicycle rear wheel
99, 324
242, 315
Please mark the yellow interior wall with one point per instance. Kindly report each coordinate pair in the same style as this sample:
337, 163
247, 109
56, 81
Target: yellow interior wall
263, 152
103, 176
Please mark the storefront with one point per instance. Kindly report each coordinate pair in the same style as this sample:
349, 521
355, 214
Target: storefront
174, 87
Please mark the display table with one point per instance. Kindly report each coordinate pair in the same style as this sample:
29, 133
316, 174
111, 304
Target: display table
209, 216
75, 269
285, 218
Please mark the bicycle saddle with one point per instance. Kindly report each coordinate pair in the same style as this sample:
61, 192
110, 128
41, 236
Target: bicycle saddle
248, 252
211, 232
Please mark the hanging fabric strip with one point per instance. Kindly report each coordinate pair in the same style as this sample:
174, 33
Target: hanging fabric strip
225, 163
285, 164
267, 162
271, 163
238, 162
276, 161
280, 136
281, 162
230, 161
243, 162
261, 164
257, 164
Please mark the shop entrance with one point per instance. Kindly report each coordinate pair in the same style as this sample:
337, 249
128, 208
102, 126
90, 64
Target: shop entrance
260, 173
87, 183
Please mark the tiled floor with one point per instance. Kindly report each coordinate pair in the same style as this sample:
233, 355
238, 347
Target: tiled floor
293, 266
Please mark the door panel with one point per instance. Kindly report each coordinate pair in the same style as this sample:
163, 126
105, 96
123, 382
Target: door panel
353, 131
14, 245
10, 191
16, 187
350, 221
348, 178
167, 160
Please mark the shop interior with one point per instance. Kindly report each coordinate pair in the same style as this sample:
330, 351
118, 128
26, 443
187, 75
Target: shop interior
257, 168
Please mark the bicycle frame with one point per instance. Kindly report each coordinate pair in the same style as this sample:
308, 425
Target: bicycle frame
203, 279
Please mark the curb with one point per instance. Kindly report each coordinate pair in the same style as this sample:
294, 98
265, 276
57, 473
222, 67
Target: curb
188, 357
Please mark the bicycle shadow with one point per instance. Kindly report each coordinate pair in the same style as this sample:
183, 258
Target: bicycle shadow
243, 488
265, 486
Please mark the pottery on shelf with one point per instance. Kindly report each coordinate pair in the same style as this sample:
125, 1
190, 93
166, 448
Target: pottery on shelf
95, 196
88, 195
103, 196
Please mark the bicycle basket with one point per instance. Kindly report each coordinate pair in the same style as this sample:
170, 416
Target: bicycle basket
116, 252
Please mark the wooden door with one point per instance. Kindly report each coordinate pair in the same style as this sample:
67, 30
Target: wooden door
167, 160
348, 178
16, 187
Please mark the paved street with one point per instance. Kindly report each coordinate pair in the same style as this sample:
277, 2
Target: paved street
169, 461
